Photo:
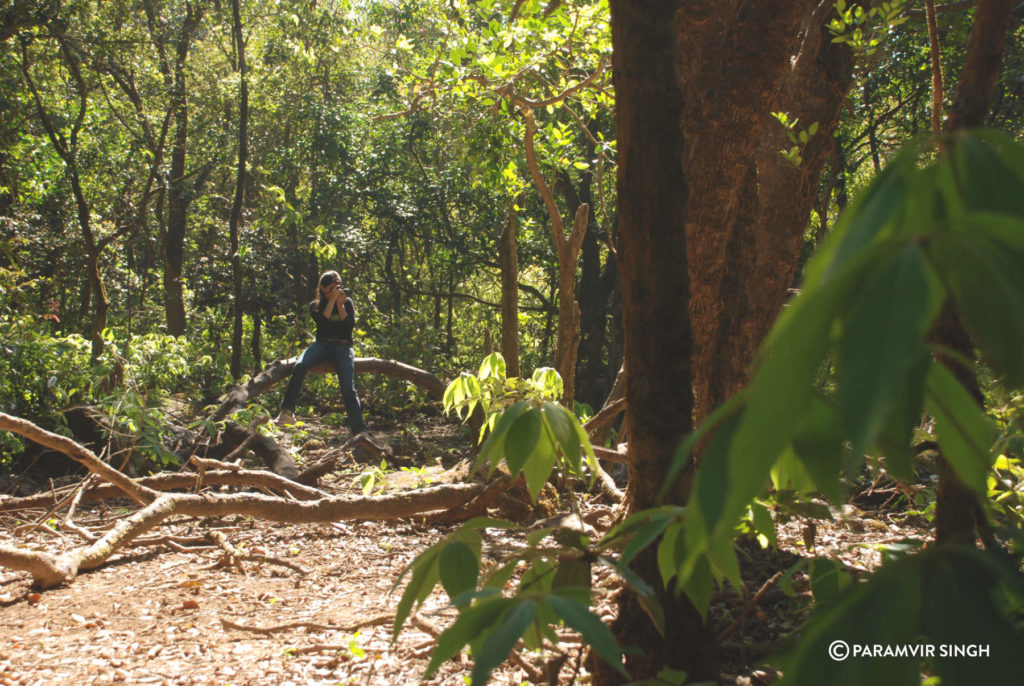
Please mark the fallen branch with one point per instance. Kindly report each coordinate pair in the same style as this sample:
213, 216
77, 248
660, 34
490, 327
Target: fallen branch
78, 453
52, 570
233, 557
610, 455
605, 417
278, 370
378, 620
242, 478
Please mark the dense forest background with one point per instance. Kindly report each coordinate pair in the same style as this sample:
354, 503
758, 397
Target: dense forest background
176, 174
382, 139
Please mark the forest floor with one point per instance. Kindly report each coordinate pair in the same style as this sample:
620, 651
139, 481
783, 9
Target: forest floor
315, 604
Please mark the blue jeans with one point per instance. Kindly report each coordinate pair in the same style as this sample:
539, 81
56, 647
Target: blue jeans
341, 356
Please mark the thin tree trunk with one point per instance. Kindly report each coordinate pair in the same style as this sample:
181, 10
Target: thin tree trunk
935, 53
568, 249
509, 258
239, 201
956, 508
178, 197
95, 297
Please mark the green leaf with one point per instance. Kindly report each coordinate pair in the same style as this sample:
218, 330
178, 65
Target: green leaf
699, 585
867, 218
968, 593
988, 183
573, 572
942, 597
593, 630
492, 366
425, 575
561, 424
818, 444
471, 623
828, 579
855, 621
671, 552
647, 534
522, 439
986, 280
497, 646
883, 341
494, 446
763, 522
963, 431
459, 568
500, 575
537, 468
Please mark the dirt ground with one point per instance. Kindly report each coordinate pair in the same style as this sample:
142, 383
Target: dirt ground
315, 604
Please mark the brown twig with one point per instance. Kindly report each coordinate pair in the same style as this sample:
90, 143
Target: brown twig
750, 606
378, 620
234, 557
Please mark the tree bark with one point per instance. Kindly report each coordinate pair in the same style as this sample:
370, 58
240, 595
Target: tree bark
982, 65
732, 60
652, 258
775, 203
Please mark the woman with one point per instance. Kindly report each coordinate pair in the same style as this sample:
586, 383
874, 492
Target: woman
334, 315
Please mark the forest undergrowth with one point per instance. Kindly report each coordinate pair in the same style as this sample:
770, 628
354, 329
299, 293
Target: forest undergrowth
315, 604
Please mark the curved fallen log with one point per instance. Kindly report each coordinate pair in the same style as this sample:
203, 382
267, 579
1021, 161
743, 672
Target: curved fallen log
50, 570
278, 370
267, 449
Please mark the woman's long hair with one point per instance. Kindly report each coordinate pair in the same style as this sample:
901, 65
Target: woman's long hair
326, 279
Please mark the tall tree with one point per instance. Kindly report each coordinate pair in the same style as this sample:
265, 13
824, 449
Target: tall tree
956, 510
238, 204
652, 258
707, 245
180, 186
66, 141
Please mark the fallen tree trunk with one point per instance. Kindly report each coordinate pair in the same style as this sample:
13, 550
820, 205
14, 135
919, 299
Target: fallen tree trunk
167, 482
50, 570
266, 448
278, 370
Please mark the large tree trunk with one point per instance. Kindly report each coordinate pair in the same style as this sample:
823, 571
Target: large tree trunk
652, 259
693, 154
776, 203
732, 59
